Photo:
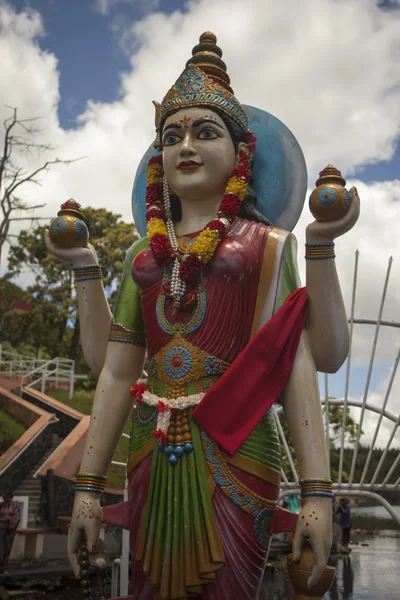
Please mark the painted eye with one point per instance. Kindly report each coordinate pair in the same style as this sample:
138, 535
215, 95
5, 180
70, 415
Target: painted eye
170, 140
207, 134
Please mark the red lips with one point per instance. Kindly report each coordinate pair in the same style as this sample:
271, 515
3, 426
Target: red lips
188, 165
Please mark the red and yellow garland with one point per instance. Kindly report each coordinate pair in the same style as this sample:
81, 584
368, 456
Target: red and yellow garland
210, 237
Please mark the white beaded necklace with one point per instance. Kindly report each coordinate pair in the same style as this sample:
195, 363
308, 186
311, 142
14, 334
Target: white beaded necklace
178, 287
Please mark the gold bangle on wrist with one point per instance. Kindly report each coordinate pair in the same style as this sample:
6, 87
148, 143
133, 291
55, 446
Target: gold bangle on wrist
86, 482
320, 250
85, 272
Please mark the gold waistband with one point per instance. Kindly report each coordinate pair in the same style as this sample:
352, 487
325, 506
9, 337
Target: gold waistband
181, 363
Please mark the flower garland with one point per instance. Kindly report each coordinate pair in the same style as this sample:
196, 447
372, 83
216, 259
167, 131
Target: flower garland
166, 407
206, 243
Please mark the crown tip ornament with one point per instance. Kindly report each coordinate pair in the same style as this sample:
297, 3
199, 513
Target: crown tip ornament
208, 38
330, 200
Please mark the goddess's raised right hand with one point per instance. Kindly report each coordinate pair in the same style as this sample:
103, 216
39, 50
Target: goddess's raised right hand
85, 524
76, 256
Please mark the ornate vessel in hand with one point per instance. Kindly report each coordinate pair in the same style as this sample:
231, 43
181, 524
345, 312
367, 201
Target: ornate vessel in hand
68, 230
300, 572
330, 200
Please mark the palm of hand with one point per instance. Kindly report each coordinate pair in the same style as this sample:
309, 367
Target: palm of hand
76, 256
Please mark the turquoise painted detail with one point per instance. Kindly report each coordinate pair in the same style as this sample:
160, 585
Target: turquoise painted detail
327, 196
80, 228
175, 452
153, 366
231, 487
210, 455
190, 82
183, 362
262, 526
146, 420
181, 328
346, 198
220, 477
212, 365
59, 225
239, 498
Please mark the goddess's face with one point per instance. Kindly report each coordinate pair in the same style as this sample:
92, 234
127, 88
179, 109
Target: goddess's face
198, 153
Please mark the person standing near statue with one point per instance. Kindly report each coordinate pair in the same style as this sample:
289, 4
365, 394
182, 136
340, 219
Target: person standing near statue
344, 512
10, 516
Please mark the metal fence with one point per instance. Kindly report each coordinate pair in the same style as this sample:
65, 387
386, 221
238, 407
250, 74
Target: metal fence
363, 487
38, 372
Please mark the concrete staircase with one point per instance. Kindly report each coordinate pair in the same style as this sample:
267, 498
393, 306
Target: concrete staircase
32, 487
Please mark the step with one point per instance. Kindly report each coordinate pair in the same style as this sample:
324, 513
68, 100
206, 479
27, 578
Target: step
25, 490
33, 484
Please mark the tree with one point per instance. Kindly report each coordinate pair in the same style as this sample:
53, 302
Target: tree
54, 322
19, 141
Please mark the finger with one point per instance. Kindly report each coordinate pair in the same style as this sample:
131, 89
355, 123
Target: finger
49, 243
296, 546
98, 561
320, 560
74, 537
348, 220
354, 208
92, 537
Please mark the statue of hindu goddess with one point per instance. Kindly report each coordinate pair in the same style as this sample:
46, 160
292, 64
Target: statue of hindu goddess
210, 295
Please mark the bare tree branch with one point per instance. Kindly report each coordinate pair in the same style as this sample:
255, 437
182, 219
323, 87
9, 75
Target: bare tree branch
19, 140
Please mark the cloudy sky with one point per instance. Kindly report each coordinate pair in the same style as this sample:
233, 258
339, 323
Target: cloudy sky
329, 69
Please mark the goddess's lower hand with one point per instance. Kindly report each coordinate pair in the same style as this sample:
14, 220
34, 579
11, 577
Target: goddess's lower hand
315, 524
86, 522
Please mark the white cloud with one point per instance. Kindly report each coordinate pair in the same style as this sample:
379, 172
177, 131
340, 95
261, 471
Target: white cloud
105, 6
331, 72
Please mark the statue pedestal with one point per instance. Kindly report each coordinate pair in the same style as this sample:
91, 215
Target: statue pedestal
300, 572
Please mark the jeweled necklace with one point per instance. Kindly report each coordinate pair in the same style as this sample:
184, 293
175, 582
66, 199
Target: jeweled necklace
161, 230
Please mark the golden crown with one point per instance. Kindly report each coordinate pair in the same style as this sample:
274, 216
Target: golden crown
204, 82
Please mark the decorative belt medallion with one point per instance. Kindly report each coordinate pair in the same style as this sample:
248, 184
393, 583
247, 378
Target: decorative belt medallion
177, 362
180, 362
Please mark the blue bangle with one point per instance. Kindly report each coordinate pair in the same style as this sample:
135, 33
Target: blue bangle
320, 257
81, 267
320, 244
87, 489
317, 493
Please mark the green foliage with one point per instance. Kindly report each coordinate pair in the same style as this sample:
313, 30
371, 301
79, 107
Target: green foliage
53, 324
82, 400
10, 431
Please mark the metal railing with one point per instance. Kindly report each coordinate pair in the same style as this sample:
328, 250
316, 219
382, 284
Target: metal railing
59, 370
371, 488
38, 371
14, 363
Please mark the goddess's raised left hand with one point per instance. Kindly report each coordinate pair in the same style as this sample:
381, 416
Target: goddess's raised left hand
326, 231
315, 524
